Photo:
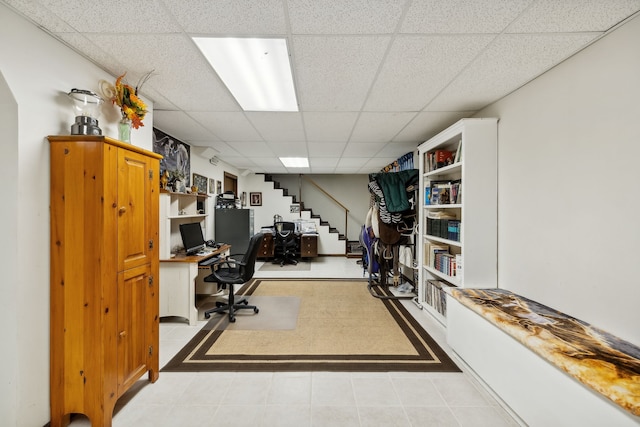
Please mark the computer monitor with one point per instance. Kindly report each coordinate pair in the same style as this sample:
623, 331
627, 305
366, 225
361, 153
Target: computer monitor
192, 237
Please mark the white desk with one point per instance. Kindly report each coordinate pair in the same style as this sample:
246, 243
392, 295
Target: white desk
178, 284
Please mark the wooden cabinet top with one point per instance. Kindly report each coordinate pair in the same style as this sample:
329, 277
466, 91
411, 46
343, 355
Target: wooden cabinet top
103, 139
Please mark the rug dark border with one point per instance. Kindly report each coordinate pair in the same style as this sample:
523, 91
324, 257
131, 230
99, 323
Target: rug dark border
431, 357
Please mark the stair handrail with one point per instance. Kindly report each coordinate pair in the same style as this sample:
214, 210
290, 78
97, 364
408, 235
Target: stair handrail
346, 210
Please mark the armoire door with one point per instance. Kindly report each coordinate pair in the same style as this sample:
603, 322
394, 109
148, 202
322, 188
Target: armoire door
137, 216
133, 343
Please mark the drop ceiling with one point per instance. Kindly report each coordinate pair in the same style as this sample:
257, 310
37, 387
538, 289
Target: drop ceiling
374, 78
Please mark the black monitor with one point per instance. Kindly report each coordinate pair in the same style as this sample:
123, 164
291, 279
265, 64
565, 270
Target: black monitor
192, 237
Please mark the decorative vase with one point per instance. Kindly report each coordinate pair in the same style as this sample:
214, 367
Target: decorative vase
124, 130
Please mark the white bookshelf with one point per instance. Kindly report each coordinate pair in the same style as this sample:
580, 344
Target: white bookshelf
476, 208
176, 209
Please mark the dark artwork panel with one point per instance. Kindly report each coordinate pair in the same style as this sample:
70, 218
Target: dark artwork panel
177, 154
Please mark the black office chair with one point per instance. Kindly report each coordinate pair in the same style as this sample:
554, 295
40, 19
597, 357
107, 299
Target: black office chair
285, 244
232, 272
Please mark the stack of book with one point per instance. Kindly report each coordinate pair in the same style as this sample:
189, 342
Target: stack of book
438, 257
445, 192
435, 296
444, 228
440, 158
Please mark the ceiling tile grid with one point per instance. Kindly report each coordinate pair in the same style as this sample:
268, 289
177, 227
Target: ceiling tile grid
418, 67
335, 73
459, 17
374, 78
509, 63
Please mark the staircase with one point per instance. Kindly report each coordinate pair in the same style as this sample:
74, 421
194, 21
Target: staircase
324, 228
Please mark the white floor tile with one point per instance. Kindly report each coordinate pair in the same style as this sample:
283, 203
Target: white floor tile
319, 399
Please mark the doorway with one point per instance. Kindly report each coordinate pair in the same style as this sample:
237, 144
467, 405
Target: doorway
231, 183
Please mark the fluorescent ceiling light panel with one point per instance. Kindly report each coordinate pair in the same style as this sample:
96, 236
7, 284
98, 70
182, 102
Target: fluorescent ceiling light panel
257, 71
295, 162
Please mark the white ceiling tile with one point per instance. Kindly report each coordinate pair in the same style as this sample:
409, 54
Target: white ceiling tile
469, 16
418, 67
322, 170
172, 78
329, 126
257, 17
239, 162
228, 126
344, 17
323, 162
351, 59
160, 101
511, 61
379, 127
369, 149
428, 124
335, 73
573, 15
278, 127
353, 162
222, 148
257, 148
396, 149
40, 15
325, 149
179, 123
94, 53
289, 149
140, 16
269, 162
376, 164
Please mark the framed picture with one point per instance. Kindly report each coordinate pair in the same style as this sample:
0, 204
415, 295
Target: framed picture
200, 182
212, 185
219, 187
255, 199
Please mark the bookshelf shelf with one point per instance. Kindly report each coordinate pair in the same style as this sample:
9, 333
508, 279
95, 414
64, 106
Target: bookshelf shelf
444, 170
461, 163
180, 208
441, 240
449, 206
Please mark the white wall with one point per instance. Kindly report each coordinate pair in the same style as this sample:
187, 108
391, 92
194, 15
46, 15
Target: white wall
39, 71
8, 257
201, 165
568, 204
349, 190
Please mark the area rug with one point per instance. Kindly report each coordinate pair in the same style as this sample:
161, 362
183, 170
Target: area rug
339, 327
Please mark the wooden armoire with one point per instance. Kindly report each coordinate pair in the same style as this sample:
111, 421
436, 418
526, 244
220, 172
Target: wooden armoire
104, 274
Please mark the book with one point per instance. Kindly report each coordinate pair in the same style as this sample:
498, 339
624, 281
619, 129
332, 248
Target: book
443, 158
458, 157
431, 250
459, 265
440, 192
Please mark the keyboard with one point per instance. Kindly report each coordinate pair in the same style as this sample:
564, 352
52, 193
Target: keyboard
209, 261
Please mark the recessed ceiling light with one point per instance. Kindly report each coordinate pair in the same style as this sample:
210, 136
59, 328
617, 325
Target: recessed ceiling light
295, 162
257, 71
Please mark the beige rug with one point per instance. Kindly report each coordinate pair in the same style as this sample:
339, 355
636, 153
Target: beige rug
339, 326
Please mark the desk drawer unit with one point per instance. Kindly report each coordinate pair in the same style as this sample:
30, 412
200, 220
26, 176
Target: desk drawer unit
308, 246
266, 248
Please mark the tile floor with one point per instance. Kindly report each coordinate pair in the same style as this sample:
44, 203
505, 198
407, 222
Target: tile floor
299, 399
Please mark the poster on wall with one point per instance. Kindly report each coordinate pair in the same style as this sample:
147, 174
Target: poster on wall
177, 156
